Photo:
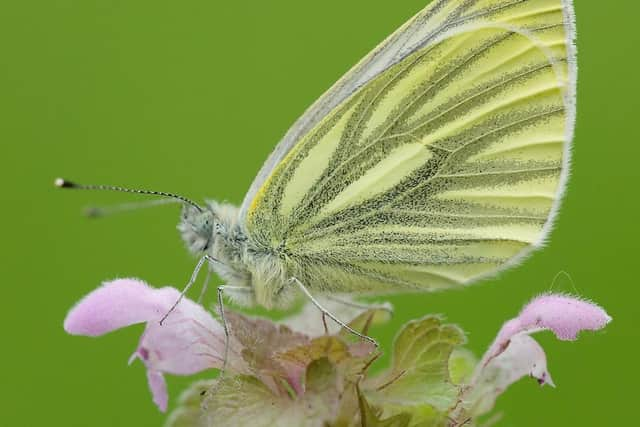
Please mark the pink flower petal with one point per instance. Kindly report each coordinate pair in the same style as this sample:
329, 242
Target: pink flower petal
158, 387
115, 305
189, 341
523, 357
565, 316
515, 354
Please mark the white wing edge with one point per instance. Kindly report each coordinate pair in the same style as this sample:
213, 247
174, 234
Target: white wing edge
386, 54
570, 104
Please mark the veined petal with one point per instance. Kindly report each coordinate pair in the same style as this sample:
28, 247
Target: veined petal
190, 340
158, 387
523, 357
514, 354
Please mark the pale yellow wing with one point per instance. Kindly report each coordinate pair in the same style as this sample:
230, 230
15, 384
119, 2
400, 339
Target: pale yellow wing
441, 167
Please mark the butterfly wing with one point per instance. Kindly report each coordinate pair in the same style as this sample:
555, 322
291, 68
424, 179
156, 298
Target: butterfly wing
438, 159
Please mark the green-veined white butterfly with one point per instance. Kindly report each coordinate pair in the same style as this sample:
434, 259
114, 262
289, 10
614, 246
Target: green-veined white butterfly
440, 158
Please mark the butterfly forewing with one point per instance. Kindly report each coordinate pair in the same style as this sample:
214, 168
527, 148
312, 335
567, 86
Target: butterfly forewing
443, 166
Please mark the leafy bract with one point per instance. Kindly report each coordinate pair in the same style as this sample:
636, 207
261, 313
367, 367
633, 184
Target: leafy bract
370, 417
260, 340
374, 315
189, 412
293, 379
244, 401
461, 365
419, 374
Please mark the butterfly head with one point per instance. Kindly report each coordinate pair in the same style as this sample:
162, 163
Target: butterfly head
198, 228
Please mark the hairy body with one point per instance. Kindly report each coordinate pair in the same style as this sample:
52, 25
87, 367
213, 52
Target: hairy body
253, 274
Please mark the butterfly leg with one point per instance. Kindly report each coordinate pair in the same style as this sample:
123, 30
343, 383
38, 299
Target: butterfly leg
331, 315
225, 328
192, 280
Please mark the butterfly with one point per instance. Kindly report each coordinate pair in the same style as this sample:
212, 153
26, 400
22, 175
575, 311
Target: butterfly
438, 160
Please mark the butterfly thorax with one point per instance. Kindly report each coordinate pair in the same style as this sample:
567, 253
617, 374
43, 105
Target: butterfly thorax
253, 275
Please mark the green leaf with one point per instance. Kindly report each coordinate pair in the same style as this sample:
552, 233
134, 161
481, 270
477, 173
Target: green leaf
295, 361
349, 410
421, 415
462, 363
262, 338
371, 418
327, 346
189, 410
244, 401
322, 377
419, 380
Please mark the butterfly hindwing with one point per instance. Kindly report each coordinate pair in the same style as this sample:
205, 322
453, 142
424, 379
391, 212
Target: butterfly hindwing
442, 166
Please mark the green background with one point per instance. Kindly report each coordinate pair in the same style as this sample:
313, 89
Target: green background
191, 97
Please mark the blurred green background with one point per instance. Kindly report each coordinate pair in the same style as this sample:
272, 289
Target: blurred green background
191, 97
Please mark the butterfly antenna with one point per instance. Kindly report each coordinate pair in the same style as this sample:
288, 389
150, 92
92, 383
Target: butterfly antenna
63, 183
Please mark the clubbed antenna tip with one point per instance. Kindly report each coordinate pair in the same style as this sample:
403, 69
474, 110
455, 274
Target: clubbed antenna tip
63, 183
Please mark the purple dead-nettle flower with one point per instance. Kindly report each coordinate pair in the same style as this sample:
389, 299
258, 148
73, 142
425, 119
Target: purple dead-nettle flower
564, 315
189, 341
515, 354
303, 372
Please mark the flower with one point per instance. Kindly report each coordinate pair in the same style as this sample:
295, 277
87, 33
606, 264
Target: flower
432, 381
515, 354
564, 315
304, 373
190, 340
